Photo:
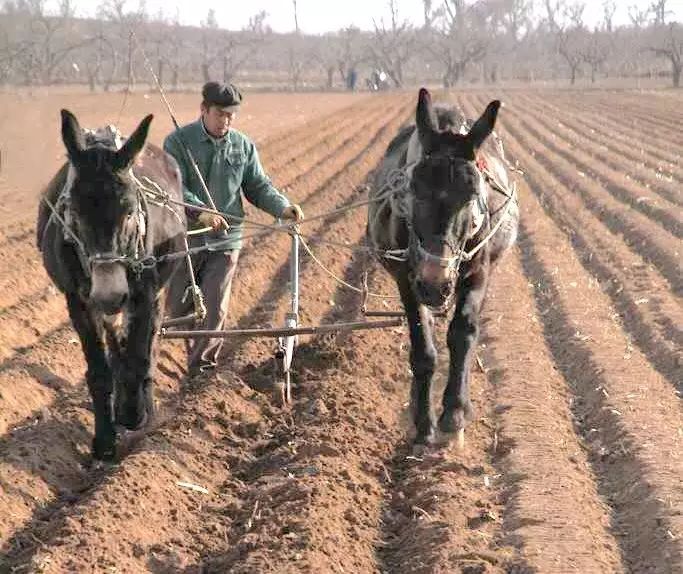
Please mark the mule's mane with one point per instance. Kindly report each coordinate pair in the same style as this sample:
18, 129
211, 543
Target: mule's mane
109, 137
401, 138
448, 118
101, 147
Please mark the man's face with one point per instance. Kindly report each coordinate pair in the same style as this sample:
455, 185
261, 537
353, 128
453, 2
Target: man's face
217, 120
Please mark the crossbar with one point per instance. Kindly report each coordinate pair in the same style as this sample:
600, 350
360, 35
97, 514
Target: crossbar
282, 332
397, 313
179, 320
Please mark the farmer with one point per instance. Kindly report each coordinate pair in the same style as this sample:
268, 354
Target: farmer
229, 164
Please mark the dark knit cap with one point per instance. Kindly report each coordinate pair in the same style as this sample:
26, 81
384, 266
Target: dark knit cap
223, 95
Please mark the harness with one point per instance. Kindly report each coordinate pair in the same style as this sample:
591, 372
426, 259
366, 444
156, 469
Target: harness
140, 256
401, 204
401, 198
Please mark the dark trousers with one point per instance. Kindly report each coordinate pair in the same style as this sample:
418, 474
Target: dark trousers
214, 272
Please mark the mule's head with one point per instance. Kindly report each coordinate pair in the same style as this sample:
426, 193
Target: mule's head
447, 188
105, 208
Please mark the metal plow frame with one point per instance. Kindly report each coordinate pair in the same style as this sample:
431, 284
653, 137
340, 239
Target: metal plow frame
287, 336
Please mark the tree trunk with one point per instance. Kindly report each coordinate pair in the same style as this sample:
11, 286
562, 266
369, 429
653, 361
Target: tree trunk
573, 78
330, 77
676, 68
494, 74
458, 73
226, 70
342, 72
205, 72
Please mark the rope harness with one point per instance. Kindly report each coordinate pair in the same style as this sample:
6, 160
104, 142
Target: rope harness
396, 191
401, 198
138, 254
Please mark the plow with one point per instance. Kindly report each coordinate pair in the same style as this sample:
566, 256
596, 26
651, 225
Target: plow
286, 335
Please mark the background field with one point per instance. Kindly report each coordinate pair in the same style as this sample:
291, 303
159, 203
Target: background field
573, 463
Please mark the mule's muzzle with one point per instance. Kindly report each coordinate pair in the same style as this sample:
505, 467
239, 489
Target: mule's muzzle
109, 287
433, 294
111, 306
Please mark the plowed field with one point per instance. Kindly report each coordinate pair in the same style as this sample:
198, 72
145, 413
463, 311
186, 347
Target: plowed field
574, 461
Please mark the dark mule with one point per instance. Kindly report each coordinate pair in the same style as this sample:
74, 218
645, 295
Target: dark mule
447, 211
100, 250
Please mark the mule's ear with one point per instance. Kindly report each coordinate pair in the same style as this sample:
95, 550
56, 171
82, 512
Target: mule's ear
134, 144
72, 135
483, 127
425, 119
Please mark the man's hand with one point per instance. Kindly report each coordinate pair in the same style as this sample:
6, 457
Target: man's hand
293, 213
215, 222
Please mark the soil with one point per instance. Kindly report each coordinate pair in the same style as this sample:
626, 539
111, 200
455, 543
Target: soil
573, 462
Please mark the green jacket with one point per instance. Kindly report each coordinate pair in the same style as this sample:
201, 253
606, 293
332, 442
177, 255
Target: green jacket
236, 168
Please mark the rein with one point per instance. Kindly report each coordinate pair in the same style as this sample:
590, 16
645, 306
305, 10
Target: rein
461, 255
139, 260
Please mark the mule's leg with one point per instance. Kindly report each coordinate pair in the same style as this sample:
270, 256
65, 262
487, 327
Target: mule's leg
422, 361
137, 364
98, 377
463, 333
116, 344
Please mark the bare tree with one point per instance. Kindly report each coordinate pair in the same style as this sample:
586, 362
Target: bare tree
123, 24
515, 16
659, 12
157, 38
295, 64
596, 52
552, 14
570, 47
638, 16
571, 36
327, 53
574, 13
393, 46
609, 7
49, 39
237, 49
100, 57
671, 48
458, 40
296, 17
12, 48
353, 50
295, 53
210, 48
428, 10
177, 48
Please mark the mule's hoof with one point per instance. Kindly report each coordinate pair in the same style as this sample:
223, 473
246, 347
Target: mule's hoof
103, 451
138, 424
460, 439
102, 465
425, 438
452, 420
445, 439
418, 450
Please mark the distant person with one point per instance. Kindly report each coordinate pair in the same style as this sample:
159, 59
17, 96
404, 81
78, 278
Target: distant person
351, 79
230, 166
374, 79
